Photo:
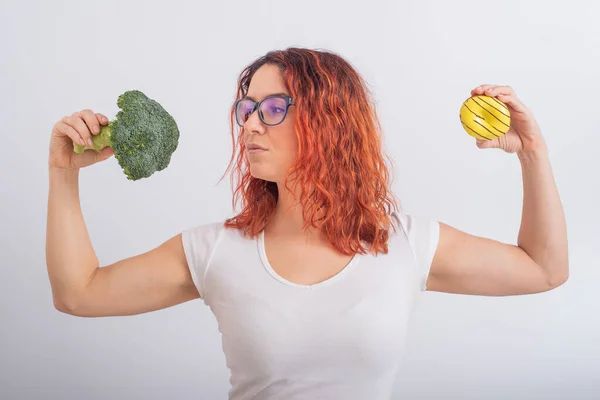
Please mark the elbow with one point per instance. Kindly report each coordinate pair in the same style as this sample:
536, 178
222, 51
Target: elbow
558, 279
70, 301
65, 304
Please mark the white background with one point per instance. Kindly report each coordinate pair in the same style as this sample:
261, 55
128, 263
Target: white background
421, 59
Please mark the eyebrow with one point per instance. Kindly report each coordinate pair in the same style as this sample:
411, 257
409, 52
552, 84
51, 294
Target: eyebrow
272, 94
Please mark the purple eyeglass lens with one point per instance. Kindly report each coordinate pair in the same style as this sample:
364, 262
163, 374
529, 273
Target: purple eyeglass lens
243, 110
273, 110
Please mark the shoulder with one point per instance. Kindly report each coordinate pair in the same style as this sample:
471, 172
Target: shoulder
414, 226
200, 240
199, 244
422, 234
204, 230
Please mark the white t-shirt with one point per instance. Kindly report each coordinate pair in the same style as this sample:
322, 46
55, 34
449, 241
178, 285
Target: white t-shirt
338, 339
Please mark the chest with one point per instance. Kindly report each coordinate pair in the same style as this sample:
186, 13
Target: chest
355, 321
353, 325
302, 262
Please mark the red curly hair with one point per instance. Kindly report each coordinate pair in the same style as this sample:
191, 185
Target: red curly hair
340, 165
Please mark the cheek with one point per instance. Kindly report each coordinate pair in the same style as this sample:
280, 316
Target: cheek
286, 142
289, 133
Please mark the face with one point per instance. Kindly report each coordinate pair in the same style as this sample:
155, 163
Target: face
280, 140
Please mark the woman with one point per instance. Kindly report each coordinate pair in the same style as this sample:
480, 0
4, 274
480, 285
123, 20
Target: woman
312, 283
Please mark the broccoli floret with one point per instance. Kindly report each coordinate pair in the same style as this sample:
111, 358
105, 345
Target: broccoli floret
143, 135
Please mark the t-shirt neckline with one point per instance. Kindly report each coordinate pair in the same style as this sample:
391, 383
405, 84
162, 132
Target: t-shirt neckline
265, 261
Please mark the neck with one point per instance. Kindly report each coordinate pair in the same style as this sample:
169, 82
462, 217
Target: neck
287, 220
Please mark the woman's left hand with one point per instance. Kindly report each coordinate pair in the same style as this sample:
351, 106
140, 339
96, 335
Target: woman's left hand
524, 134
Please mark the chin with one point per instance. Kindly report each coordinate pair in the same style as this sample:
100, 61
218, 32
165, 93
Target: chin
261, 172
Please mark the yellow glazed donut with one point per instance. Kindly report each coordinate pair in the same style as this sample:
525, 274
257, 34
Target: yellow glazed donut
485, 117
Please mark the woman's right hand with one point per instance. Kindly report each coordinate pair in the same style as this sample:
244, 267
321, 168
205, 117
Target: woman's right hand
79, 128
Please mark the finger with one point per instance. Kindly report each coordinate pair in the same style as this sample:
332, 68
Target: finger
507, 95
479, 90
487, 144
67, 130
493, 90
512, 102
91, 121
92, 157
104, 154
103, 119
80, 126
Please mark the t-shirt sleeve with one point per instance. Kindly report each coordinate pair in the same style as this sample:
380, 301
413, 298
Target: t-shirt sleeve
199, 244
423, 235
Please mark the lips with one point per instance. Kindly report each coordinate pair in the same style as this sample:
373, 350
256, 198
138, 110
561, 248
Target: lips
255, 147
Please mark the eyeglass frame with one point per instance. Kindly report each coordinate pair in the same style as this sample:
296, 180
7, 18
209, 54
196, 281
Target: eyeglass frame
289, 101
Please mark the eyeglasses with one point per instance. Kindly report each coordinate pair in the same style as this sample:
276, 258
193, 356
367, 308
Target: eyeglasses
271, 110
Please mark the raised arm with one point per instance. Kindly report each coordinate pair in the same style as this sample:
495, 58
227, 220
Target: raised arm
153, 280
468, 264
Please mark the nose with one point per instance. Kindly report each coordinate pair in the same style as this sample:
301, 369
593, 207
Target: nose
253, 124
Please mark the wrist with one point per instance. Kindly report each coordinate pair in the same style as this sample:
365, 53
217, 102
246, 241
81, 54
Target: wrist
533, 149
533, 155
63, 174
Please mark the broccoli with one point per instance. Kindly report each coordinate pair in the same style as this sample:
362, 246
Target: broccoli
143, 135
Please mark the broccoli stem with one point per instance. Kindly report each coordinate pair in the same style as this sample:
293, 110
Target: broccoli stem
100, 141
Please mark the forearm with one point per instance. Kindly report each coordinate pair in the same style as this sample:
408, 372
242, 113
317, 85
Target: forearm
70, 257
543, 233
